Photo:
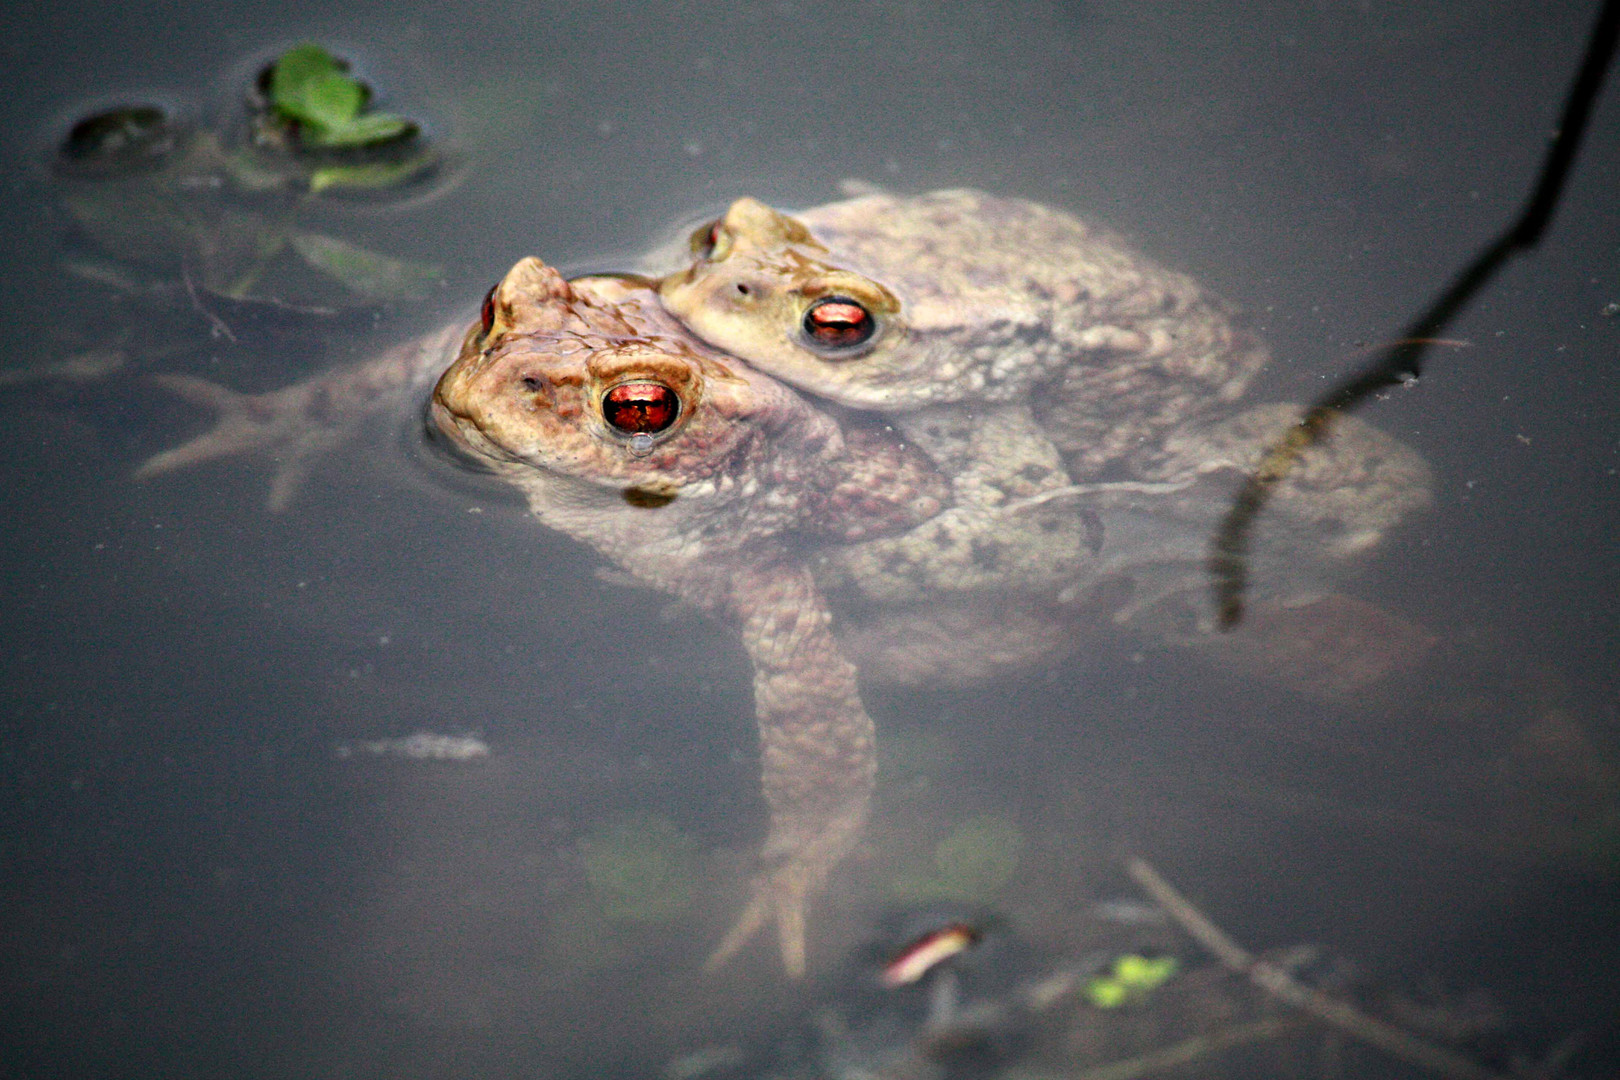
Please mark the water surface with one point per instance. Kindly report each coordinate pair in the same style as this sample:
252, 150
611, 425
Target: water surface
191, 882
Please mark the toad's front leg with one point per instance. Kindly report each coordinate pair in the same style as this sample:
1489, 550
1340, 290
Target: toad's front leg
298, 424
817, 752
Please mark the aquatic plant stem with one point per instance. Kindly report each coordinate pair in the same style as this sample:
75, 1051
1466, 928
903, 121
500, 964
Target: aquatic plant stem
1283, 986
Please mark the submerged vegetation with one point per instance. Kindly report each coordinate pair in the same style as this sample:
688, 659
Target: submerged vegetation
640, 869
970, 865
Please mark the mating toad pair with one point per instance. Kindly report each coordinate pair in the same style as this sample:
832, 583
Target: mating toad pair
919, 439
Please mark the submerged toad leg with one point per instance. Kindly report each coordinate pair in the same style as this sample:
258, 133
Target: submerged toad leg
817, 752
296, 425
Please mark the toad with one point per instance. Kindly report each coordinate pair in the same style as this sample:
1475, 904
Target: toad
945, 552
955, 301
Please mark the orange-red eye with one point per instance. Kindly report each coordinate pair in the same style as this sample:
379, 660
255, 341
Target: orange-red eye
838, 322
640, 408
705, 238
487, 311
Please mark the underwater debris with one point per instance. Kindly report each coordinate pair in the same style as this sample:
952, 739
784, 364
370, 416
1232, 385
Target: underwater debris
1276, 981
923, 954
422, 746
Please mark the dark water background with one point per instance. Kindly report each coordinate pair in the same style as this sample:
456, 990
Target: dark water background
191, 884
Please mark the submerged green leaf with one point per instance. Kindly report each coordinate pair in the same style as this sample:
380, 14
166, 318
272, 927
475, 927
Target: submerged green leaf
640, 869
1129, 979
364, 272
970, 865
373, 130
372, 175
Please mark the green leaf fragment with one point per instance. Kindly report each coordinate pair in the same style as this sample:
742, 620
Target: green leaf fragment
370, 176
1129, 979
329, 101
311, 86
371, 130
298, 65
363, 272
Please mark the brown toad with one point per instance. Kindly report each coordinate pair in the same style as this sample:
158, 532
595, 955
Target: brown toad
958, 298
580, 393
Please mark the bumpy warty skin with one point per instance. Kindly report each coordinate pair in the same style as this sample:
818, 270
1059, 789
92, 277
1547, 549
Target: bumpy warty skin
1022, 349
746, 463
979, 299
997, 459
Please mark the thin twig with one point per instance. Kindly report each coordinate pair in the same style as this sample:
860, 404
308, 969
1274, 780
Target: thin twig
1071, 491
218, 325
1283, 986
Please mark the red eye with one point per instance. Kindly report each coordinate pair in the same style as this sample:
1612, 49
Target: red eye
838, 322
640, 408
704, 239
487, 312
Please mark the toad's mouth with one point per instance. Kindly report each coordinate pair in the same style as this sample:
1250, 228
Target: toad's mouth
464, 434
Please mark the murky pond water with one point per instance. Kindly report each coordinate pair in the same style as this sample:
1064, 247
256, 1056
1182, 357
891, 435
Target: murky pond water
204, 867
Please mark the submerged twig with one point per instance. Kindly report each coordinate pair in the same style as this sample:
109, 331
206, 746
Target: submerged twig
1283, 986
218, 325
1073, 491
1400, 362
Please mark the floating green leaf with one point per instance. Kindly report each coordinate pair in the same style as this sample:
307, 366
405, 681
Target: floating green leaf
310, 85
298, 66
313, 88
328, 102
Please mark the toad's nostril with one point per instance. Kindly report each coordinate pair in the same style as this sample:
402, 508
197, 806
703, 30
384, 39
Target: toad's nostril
743, 290
532, 383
